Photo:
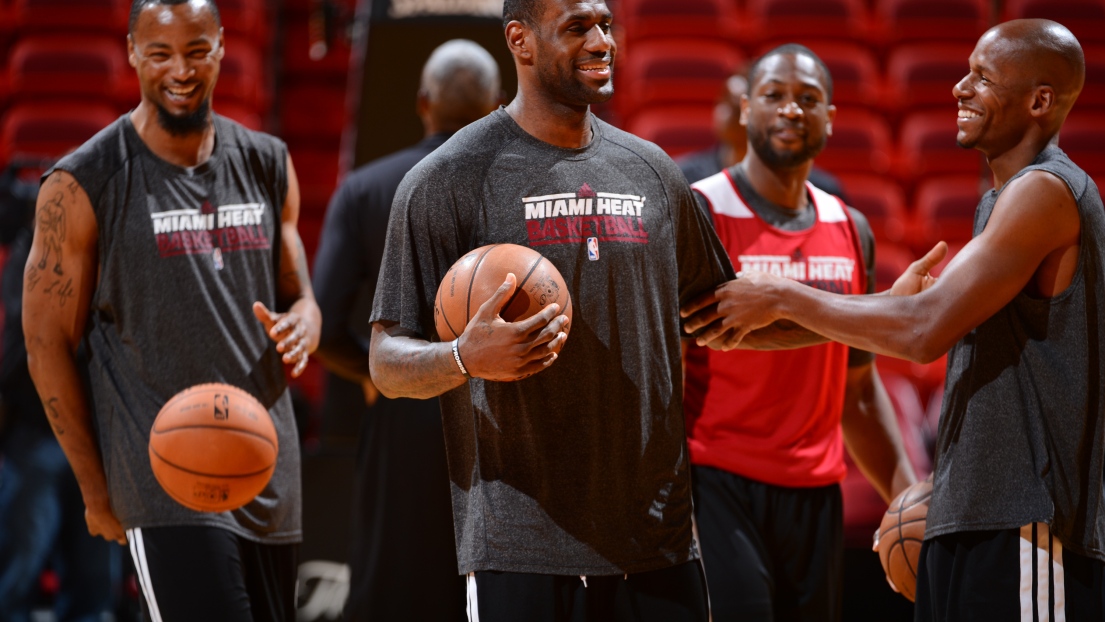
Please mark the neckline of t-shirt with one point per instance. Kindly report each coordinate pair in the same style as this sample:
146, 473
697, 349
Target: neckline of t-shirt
567, 153
762, 206
188, 171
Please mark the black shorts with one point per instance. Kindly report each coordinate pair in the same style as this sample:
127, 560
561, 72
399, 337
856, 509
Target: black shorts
770, 553
675, 594
210, 574
1021, 575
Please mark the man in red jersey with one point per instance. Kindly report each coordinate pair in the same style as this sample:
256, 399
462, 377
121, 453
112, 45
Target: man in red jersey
767, 429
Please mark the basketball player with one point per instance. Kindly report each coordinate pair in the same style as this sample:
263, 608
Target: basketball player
732, 140
1016, 527
765, 428
403, 546
154, 239
567, 457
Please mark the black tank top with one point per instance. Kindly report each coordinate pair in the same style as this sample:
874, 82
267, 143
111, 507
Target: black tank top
183, 254
1022, 432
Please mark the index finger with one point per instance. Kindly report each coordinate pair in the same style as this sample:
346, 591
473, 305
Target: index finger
698, 303
540, 319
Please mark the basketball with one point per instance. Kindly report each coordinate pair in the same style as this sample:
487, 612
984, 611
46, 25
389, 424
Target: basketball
475, 277
213, 447
900, 535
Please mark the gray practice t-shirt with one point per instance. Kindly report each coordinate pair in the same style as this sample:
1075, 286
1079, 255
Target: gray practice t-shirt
581, 468
183, 254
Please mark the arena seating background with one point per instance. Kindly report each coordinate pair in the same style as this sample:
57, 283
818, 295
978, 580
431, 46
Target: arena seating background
64, 75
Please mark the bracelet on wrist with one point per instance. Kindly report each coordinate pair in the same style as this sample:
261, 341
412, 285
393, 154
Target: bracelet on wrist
456, 357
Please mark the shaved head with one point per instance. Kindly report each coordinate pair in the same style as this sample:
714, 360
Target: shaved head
1044, 53
460, 83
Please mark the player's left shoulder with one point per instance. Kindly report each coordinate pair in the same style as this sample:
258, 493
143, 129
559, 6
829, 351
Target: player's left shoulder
241, 137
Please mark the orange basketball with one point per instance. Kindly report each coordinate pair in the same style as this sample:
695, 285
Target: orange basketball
213, 447
900, 536
475, 277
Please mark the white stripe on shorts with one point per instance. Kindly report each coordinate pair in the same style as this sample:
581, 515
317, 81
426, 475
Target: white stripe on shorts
138, 554
473, 603
1042, 560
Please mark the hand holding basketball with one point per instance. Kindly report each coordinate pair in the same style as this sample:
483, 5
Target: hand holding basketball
898, 540
506, 331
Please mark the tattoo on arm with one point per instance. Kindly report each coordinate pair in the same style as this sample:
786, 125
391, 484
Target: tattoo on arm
51, 225
53, 415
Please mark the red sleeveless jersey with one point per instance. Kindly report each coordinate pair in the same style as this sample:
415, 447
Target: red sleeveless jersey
775, 416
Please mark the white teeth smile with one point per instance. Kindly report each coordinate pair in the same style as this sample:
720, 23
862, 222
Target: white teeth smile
181, 92
967, 114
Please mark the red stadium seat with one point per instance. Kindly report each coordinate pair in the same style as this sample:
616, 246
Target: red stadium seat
301, 61
313, 113
1082, 138
928, 20
317, 171
51, 129
796, 20
891, 260
53, 67
928, 146
854, 69
674, 71
1084, 18
676, 129
945, 209
860, 143
245, 20
242, 77
692, 18
922, 75
882, 201
86, 16
1092, 97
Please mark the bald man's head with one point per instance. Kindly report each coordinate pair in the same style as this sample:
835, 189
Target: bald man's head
1042, 53
460, 83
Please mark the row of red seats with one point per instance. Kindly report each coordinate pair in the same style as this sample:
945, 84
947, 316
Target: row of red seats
862, 141
245, 18
880, 23
914, 76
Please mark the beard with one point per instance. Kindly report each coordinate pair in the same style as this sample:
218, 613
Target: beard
761, 144
192, 123
570, 90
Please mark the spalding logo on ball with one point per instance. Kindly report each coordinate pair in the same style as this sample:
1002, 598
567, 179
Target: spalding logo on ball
476, 276
213, 447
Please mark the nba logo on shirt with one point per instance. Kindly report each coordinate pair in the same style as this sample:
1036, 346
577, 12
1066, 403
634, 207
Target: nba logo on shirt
217, 256
593, 249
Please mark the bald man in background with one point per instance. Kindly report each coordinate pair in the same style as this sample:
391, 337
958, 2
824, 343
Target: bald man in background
403, 554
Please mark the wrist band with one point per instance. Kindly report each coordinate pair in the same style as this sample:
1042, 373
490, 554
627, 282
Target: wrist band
456, 357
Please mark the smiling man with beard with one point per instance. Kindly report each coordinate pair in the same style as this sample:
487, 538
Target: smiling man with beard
172, 217
767, 429
567, 456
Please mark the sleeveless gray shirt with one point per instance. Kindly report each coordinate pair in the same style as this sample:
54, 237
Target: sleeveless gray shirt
1022, 432
183, 254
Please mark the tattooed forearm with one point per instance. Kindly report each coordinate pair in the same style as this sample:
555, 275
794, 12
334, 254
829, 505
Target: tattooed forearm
294, 278
32, 277
53, 416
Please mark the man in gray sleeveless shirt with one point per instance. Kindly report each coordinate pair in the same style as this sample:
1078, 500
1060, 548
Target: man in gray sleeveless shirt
160, 246
1016, 526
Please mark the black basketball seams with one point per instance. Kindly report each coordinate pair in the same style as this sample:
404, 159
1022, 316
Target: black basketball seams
520, 286
468, 300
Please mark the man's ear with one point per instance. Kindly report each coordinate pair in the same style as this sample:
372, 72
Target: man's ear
831, 113
744, 110
519, 40
132, 55
1043, 100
